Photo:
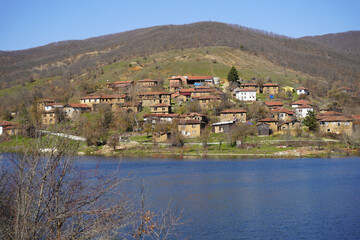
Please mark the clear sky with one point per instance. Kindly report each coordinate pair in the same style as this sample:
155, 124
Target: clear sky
30, 23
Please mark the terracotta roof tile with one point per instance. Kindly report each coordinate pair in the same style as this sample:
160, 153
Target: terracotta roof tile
233, 111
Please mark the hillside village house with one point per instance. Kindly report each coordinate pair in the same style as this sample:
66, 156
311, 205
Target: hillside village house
160, 108
48, 118
190, 128
7, 128
272, 124
207, 102
223, 127
194, 116
53, 106
238, 115
282, 114
288, 89
179, 98
290, 126
302, 111
120, 85
147, 84
152, 98
300, 103
245, 94
114, 98
90, 100
336, 124
200, 80
263, 129
134, 107
42, 103
302, 90
252, 86
73, 109
270, 88
160, 137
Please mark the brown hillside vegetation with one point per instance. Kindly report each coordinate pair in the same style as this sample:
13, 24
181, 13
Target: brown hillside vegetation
73, 58
346, 41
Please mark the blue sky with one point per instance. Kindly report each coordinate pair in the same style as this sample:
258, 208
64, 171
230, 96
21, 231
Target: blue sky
30, 23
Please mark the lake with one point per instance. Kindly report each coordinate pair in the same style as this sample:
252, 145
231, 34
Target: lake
251, 199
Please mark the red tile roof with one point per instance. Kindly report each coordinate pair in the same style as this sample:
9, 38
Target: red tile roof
301, 88
304, 106
249, 85
301, 102
268, 120
282, 110
112, 96
246, 90
274, 103
91, 97
77, 105
206, 97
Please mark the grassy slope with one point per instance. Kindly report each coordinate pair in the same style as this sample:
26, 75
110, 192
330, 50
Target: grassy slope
214, 61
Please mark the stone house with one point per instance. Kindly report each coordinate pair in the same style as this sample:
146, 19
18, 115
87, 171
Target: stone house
160, 108
159, 137
282, 114
122, 98
90, 100
123, 85
7, 128
270, 88
194, 116
207, 102
134, 107
272, 124
252, 86
153, 98
223, 127
73, 109
147, 84
42, 103
274, 104
48, 118
190, 128
160, 118
290, 126
337, 125
300, 103
238, 115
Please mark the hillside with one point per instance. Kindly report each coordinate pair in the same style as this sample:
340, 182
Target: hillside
214, 61
346, 41
71, 59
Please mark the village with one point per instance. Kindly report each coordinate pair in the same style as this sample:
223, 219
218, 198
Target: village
189, 107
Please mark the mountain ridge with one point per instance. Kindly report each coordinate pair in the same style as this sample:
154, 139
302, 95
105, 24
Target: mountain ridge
70, 58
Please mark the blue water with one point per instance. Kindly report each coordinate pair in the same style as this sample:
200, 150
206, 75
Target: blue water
254, 199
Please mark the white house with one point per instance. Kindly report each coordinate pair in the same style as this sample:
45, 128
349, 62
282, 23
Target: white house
246, 94
52, 106
302, 111
302, 90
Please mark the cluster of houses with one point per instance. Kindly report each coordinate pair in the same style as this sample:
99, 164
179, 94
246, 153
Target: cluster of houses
133, 96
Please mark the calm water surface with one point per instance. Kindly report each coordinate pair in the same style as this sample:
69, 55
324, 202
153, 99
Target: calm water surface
254, 199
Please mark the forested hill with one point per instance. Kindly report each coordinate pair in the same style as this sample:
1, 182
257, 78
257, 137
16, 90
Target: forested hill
72, 58
346, 41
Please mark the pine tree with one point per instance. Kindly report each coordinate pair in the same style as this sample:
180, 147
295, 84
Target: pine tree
310, 121
233, 75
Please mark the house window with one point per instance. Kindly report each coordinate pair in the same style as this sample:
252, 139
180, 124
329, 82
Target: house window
328, 130
338, 124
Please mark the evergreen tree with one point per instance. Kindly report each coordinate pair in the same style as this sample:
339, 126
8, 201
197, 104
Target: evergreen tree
310, 121
233, 75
